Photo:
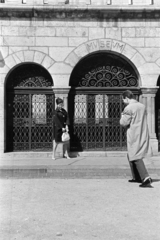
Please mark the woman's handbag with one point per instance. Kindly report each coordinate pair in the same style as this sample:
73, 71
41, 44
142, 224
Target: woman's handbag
65, 137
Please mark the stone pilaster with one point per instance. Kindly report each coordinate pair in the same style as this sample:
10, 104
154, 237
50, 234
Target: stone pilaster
63, 94
148, 99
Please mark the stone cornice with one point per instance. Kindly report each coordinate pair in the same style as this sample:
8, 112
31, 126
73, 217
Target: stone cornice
80, 12
61, 89
149, 90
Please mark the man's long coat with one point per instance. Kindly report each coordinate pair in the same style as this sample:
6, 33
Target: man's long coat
134, 117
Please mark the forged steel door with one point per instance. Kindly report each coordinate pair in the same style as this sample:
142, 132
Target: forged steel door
96, 123
31, 122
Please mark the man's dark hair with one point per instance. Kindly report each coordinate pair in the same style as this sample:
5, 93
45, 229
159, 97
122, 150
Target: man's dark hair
127, 94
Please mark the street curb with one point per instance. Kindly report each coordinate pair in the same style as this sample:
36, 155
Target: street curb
63, 172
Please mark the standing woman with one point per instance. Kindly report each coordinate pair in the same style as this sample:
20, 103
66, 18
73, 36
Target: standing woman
61, 122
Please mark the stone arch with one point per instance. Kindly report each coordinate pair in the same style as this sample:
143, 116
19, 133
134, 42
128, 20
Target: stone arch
33, 56
123, 49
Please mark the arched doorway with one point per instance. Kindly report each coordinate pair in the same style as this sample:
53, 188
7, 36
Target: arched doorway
29, 109
95, 101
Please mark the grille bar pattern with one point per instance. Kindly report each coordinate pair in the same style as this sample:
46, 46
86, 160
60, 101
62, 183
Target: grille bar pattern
32, 122
99, 128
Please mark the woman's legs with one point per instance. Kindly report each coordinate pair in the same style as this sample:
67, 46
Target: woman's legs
55, 144
65, 149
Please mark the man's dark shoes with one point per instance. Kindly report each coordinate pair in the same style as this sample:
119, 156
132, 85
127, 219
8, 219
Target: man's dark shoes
134, 181
146, 183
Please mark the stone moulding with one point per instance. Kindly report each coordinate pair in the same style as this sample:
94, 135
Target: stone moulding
81, 12
29, 56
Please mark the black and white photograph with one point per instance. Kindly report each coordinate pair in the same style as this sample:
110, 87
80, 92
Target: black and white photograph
79, 119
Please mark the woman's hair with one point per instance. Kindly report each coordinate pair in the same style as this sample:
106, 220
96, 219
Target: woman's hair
59, 100
127, 94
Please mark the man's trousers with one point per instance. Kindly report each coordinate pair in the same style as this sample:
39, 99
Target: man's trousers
138, 169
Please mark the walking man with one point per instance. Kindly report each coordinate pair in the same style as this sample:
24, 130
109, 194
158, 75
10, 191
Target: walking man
134, 117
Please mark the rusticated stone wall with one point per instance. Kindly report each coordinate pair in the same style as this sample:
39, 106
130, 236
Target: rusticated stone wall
57, 38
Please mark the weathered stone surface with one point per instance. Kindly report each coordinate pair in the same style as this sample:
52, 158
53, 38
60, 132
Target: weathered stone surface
20, 55
4, 69
95, 33
71, 32
74, 42
127, 23
149, 68
28, 56
47, 62
152, 42
60, 68
61, 80
40, 49
142, 2
72, 59
45, 31
86, 24
18, 31
17, 49
17, 60
128, 51
5, 22
21, 22
138, 60
81, 51
117, 46
128, 32
51, 41
150, 54
158, 62
2, 79
149, 79
38, 57
59, 53
10, 62
88, 13
3, 52
148, 32
56, 23
134, 42
114, 33
19, 41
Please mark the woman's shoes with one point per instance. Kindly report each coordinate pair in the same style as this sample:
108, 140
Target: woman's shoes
66, 156
53, 158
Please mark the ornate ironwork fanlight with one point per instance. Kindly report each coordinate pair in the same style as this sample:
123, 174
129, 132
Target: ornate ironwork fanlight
109, 76
35, 82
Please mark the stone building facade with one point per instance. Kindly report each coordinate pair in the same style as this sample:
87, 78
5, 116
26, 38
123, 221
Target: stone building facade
86, 52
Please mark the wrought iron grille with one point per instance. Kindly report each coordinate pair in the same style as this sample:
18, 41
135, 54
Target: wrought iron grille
109, 76
32, 122
96, 123
37, 81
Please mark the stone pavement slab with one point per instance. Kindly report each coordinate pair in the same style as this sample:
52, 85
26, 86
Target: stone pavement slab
76, 167
78, 209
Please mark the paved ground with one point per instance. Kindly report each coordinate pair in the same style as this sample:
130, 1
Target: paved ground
78, 209
76, 167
